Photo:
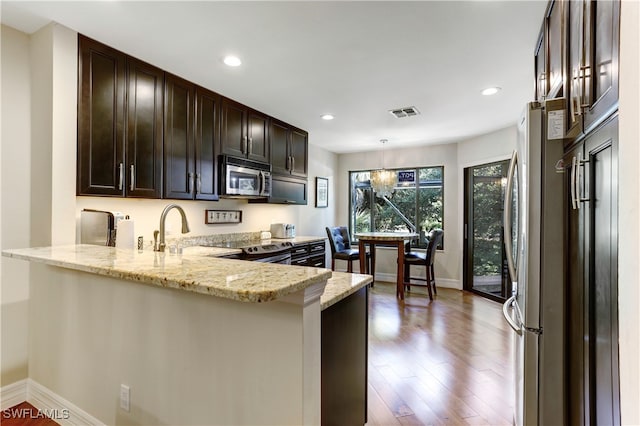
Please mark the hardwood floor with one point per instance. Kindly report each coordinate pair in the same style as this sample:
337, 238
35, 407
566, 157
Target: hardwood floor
24, 414
447, 361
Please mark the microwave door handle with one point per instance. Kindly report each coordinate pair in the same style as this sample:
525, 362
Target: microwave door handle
263, 183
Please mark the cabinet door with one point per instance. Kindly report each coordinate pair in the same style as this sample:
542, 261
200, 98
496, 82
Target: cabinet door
145, 86
258, 135
602, 45
233, 137
101, 106
207, 135
179, 138
576, 323
299, 152
601, 241
279, 148
540, 64
555, 45
575, 66
285, 190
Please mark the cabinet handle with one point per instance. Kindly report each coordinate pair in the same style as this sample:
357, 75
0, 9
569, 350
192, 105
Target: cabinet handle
250, 146
574, 185
198, 183
286, 166
132, 173
579, 197
243, 148
190, 183
121, 177
293, 163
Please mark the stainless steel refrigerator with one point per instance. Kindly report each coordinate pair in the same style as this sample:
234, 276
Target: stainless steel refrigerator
534, 235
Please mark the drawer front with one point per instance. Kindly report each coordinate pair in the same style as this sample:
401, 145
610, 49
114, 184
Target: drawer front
299, 250
317, 261
315, 248
302, 261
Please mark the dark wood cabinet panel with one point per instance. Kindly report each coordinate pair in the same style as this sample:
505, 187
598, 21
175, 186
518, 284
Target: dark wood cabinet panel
207, 135
602, 46
299, 152
145, 87
179, 138
540, 67
279, 148
233, 138
288, 190
592, 287
555, 48
344, 357
258, 136
575, 66
309, 254
101, 108
244, 132
191, 136
289, 150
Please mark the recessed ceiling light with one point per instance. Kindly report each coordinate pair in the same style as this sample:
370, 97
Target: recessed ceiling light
232, 61
491, 91
327, 117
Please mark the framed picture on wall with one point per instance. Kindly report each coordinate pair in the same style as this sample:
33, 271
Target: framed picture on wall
322, 192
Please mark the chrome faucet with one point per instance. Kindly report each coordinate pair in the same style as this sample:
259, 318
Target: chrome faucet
163, 217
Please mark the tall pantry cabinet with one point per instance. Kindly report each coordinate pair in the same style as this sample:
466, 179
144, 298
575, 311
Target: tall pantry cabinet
589, 50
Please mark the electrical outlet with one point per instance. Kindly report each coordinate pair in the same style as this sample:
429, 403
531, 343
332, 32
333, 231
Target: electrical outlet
124, 397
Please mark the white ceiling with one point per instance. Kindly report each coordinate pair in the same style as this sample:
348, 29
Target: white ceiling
356, 60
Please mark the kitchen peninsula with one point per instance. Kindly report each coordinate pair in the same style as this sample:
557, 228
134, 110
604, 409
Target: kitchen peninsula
183, 332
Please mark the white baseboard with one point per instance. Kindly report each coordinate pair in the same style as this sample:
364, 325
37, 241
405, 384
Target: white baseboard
13, 394
56, 407
440, 282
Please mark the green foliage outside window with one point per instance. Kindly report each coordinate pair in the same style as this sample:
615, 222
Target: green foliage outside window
420, 201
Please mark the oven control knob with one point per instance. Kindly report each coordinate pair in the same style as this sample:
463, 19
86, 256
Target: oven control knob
250, 249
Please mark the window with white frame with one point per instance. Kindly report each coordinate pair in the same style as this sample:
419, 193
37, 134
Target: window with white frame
416, 203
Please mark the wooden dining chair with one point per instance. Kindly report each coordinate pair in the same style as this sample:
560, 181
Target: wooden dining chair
340, 244
426, 259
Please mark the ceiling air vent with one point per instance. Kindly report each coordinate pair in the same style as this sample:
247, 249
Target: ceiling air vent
405, 112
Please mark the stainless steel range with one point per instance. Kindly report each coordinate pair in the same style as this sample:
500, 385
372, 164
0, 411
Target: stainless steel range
259, 251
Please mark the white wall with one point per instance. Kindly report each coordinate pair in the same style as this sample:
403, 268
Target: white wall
309, 220
629, 213
15, 201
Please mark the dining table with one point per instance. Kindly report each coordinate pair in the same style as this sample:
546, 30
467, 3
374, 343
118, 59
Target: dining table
387, 239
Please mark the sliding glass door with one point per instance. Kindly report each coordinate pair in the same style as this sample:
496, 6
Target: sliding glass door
485, 268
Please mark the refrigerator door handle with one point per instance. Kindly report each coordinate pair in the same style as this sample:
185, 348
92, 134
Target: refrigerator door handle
505, 311
508, 242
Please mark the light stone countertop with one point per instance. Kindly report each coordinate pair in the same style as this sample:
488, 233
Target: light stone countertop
196, 272
342, 285
300, 239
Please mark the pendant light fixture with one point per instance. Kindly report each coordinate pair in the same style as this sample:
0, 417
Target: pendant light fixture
383, 181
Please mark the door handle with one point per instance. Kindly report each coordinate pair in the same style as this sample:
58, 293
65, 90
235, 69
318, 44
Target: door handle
190, 183
505, 312
574, 185
507, 217
132, 172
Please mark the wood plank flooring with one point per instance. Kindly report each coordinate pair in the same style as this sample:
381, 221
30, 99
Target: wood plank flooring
24, 414
446, 361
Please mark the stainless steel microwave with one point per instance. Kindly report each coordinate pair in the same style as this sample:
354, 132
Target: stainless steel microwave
241, 178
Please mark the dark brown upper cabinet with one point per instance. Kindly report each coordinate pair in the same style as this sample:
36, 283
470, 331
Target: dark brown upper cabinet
190, 139
145, 86
540, 67
602, 47
120, 116
101, 111
289, 150
244, 132
555, 49
593, 41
